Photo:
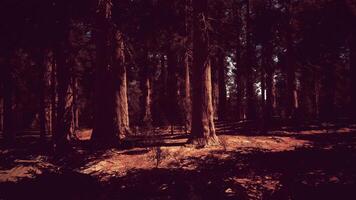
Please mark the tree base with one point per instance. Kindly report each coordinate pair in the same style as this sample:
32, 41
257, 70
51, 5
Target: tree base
204, 142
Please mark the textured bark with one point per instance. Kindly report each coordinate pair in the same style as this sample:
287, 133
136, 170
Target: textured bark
187, 102
105, 126
215, 84
120, 81
203, 130
187, 96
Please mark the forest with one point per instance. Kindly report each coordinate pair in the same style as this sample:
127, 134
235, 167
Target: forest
177, 99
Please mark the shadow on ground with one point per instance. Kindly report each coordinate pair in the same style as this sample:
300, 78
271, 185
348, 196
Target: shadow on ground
325, 170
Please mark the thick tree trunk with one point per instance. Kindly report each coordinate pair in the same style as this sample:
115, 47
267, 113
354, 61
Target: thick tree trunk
203, 130
105, 126
120, 79
222, 87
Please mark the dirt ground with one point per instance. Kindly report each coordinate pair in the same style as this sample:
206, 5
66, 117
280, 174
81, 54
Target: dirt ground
314, 163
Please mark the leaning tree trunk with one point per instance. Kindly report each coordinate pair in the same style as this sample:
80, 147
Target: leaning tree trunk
203, 130
120, 82
105, 126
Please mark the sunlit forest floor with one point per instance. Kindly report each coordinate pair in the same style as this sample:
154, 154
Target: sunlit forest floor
316, 162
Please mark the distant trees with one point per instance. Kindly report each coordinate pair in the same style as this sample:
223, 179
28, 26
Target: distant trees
110, 65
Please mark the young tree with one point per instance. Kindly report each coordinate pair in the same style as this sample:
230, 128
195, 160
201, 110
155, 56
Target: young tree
203, 130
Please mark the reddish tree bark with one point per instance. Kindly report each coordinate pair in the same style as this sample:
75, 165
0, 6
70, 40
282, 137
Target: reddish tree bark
203, 130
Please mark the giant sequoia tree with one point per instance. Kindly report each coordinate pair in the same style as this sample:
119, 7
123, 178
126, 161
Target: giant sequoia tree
203, 130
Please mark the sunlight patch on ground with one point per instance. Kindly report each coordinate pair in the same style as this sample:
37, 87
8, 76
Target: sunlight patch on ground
28, 168
119, 163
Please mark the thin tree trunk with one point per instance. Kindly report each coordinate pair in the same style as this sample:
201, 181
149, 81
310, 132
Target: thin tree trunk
146, 88
203, 130
222, 87
187, 97
353, 72
53, 96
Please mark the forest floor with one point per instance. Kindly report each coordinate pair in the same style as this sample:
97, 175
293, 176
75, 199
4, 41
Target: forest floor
310, 163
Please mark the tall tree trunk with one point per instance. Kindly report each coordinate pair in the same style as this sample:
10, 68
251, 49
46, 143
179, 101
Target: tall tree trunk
250, 90
105, 126
53, 95
353, 71
172, 87
8, 87
222, 86
203, 130
1, 111
328, 88
215, 83
63, 112
120, 79
292, 92
42, 95
146, 88
269, 71
187, 97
